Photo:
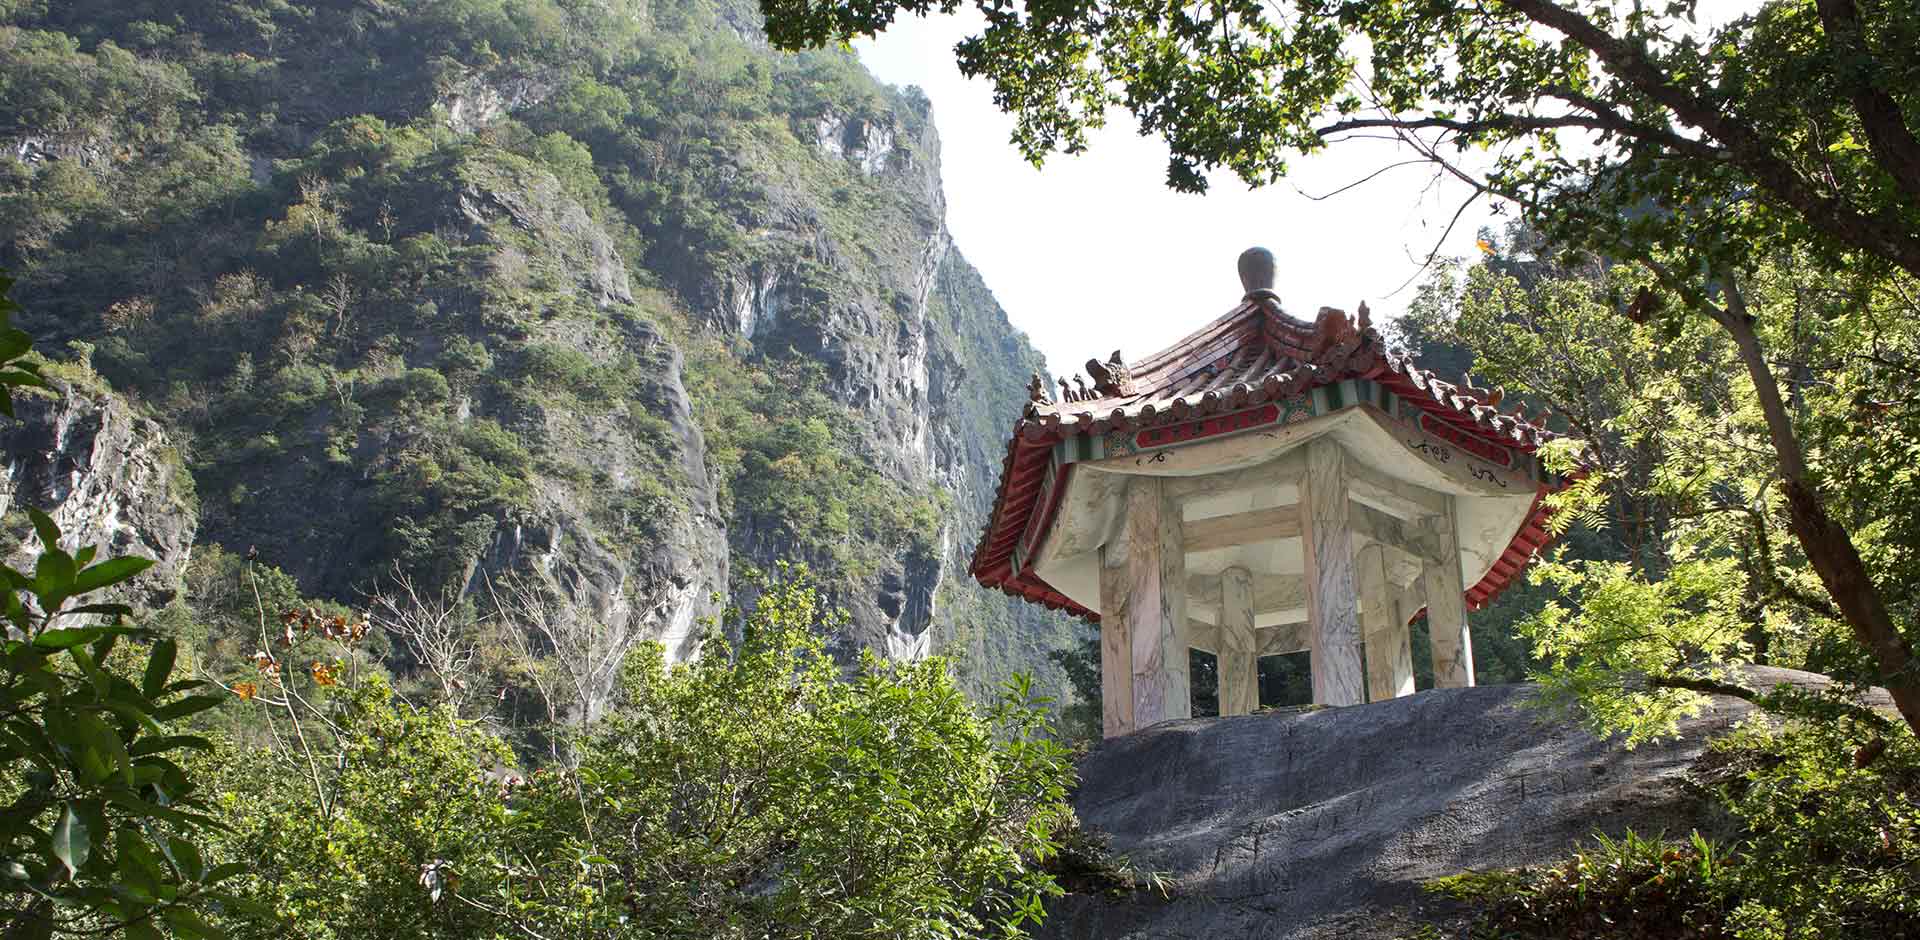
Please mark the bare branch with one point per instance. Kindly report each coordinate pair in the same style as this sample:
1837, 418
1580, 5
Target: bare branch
560, 645
434, 627
1359, 182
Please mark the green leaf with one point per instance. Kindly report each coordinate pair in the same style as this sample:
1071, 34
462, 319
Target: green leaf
101, 751
186, 856
189, 924
43, 526
67, 637
53, 578
191, 705
139, 865
13, 343
221, 873
111, 571
99, 677
71, 841
159, 668
146, 746
103, 647
144, 930
20, 376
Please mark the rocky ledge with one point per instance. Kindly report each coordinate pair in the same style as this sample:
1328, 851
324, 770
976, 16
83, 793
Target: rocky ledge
1306, 825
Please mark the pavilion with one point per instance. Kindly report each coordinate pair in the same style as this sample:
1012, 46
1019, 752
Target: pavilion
1266, 486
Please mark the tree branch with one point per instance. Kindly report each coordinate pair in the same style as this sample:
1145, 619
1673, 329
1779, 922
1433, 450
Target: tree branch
1888, 138
1747, 146
1500, 123
1784, 699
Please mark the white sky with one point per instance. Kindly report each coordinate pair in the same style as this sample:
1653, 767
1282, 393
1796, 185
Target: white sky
1094, 252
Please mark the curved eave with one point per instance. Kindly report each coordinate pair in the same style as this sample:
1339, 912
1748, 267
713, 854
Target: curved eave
1520, 552
1021, 476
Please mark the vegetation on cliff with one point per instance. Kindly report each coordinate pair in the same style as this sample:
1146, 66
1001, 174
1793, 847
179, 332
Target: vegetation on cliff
759, 792
468, 284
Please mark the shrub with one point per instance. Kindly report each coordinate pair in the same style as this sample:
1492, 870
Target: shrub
754, 793
1828, 849
1627, 887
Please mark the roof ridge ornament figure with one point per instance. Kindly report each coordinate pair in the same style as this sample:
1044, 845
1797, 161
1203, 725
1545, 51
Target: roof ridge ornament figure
1334, 337
1037, 390
1112, 379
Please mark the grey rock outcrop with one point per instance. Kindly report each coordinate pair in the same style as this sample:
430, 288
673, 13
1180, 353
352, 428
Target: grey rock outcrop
108, 477
477, 100
850, 265
1323, 824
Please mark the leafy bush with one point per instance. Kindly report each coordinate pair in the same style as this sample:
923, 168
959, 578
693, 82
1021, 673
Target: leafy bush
751, 794
1828, 849
1628, 887
1831, 847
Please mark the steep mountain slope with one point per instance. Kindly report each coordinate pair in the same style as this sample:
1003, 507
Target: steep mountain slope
599, 289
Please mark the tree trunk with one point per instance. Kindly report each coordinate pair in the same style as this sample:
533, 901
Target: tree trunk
1827, 543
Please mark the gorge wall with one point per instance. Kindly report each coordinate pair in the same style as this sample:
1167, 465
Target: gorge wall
600, 290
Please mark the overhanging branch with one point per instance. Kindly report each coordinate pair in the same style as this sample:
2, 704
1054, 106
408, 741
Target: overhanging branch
1630, 63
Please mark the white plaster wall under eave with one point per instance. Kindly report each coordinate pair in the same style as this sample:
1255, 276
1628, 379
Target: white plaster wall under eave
1487, 514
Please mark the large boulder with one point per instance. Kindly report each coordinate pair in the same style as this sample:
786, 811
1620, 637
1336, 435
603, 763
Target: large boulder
1324, 823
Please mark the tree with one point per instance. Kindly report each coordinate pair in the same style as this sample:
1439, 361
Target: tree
1545, 328
1693, 566
409, 832
760, 792
556, 643
436, 627
1700, 148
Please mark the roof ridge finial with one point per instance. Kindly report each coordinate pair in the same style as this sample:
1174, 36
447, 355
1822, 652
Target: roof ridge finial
1257, 274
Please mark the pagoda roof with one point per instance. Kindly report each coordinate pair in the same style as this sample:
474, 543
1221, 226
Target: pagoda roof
1254, 354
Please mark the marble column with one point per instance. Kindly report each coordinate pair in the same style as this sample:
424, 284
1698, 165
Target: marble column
1388, 642
1116, 643
1156, 606
1238, 663
1447, 608
1338, 678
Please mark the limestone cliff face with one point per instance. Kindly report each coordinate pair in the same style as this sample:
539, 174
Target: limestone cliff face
547, 299
913, 341
646, 569
106, 475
